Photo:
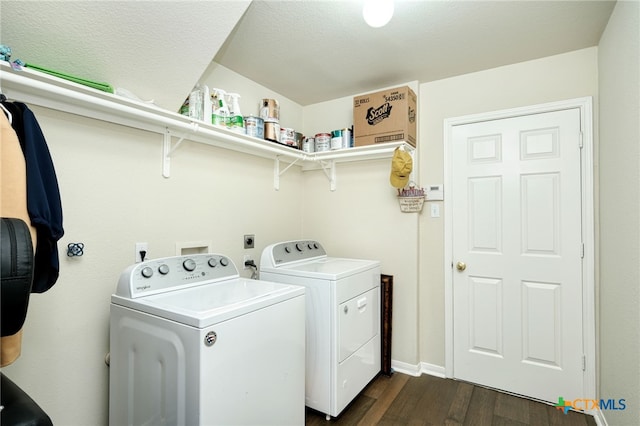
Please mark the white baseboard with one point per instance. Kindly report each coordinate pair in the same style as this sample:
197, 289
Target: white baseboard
432, 370
406, 368
418, 369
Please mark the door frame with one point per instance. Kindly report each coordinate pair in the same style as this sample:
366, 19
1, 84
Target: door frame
585, 106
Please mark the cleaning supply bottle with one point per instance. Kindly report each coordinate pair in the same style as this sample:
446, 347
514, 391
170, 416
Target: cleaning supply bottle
184, 109
236, 121
220, 110
206, 103
198, 104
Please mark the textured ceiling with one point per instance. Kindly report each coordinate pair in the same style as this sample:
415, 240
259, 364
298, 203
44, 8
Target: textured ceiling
308, 51
155, 49
320, 50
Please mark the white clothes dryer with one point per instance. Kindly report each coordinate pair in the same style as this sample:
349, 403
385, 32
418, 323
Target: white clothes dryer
192, 343
342, 319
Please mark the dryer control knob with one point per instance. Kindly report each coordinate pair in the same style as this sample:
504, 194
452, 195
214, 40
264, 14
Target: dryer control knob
287, 249
189, 264
147, 272
299, 247
163, 269
213, 262
224, 261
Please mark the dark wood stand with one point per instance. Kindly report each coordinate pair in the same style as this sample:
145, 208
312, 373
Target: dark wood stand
386, 289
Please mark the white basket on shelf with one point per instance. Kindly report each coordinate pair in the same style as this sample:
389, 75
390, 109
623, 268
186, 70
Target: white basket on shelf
411, 204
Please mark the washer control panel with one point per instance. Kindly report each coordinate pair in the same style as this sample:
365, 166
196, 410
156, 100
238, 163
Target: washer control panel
171, 273
293, 251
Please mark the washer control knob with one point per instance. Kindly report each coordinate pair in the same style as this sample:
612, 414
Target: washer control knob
299, 246
189, 264
310, 246
213, 262
147, 272
315, 245
163, 269
224, 261
287, 249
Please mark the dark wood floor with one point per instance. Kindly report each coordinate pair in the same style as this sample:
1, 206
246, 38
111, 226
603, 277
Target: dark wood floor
429, 400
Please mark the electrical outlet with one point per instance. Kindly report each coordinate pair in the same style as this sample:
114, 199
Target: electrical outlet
249, 241
141, 247
247, 258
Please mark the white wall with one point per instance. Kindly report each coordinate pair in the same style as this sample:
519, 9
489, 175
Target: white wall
619, 66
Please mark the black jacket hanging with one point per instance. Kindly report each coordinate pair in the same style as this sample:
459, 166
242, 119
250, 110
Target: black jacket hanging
43, 195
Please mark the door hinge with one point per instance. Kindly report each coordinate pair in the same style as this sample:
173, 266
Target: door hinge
582, 251
581, 139
584, 362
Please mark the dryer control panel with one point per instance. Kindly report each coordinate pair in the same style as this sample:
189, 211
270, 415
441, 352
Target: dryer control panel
173, 273
293, 251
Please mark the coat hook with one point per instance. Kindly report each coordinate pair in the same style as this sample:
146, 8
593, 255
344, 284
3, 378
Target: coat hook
75, 249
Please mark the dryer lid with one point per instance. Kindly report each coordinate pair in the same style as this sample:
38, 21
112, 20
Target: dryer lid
326, 268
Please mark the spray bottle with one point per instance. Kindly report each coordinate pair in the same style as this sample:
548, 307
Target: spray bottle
235, 122
220, 111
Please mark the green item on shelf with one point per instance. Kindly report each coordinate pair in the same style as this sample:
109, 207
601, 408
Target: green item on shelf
105, 87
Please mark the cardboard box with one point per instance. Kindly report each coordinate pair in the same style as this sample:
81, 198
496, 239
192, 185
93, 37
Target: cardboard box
385, 116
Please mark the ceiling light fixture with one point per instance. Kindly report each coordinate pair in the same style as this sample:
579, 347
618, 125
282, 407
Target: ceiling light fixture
377, 13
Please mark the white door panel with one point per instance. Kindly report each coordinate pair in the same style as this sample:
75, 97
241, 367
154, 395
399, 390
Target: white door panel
517, 306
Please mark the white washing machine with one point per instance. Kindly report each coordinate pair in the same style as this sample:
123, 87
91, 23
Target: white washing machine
343, 319
192, 343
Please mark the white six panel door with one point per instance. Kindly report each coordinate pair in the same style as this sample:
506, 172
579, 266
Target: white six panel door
517, 250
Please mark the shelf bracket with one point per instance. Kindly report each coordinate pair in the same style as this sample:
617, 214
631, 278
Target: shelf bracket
277, 173
331, 173
168, 150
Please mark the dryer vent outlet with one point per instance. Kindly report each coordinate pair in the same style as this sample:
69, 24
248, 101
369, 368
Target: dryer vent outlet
249, 241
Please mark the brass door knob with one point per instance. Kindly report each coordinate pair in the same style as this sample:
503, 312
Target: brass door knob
461, 266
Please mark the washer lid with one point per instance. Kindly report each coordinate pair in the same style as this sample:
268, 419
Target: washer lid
326, 268
212, 303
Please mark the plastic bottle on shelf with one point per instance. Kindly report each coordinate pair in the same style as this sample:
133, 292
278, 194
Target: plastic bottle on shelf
198, 103
206, 103
220, 110
184, 109
236, 121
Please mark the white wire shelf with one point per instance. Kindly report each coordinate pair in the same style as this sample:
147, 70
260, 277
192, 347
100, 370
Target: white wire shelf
41, 89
